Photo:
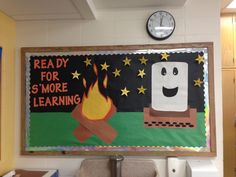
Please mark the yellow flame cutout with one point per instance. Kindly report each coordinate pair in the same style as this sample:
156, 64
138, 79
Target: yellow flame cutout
95, 106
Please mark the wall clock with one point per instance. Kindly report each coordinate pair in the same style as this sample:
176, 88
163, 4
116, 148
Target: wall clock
160, 25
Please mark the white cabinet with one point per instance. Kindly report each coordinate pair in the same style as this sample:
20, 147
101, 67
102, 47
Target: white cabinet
228, 34
228, 50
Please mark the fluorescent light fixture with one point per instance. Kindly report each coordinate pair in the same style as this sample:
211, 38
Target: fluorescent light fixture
232, 5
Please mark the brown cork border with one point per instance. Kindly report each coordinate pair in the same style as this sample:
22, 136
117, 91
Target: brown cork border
208, 45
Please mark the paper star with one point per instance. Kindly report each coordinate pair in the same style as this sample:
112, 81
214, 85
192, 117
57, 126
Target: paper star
87, 62
105, 66
141, 90
200, 59
127, 61
124, 91
164, 56
198, 82
141, 73
143, 60
75, 75
116, 72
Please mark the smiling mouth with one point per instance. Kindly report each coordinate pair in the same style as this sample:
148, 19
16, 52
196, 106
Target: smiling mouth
169, 92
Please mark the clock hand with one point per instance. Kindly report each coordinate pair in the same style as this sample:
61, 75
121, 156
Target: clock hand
161, 20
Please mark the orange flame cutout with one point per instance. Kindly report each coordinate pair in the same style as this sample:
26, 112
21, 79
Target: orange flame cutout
95, 106
95, 69
84, 83
105, 81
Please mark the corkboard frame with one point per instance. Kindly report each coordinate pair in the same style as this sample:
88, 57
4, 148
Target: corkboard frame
208, 45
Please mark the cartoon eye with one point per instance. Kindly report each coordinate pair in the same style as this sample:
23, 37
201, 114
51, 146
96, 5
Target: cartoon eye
175, 71
163, 71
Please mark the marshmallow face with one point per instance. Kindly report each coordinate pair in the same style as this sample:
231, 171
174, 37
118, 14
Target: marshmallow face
170, 86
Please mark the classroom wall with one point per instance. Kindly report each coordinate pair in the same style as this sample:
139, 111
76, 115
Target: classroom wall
197, 21
7, 119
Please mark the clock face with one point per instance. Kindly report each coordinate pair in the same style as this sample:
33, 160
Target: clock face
160, 25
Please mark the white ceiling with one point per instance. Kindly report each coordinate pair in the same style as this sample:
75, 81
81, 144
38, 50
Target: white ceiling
225, 3
101, 4
73, 9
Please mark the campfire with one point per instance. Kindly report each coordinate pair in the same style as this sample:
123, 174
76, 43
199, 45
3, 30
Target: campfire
93, 112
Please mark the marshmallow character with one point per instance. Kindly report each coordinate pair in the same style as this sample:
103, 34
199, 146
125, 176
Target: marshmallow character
170, 86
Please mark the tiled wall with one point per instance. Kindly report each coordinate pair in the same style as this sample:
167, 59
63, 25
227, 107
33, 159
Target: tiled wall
197, 21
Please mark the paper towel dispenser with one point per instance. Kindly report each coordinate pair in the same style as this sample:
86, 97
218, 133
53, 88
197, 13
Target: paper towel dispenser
200, 168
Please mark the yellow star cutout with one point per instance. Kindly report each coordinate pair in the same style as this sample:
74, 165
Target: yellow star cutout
127, 61
124, 91
198, 82
141, 73
105, 66
75, 75
143, 60
164, 56
200, 59
141, 90
87, 62
116, 72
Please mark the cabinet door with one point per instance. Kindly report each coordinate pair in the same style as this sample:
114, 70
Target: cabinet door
229, 111
227, 40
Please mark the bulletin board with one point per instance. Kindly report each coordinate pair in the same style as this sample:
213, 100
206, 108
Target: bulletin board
127, 100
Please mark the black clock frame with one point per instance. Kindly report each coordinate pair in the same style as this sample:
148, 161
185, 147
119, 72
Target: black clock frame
162, 38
